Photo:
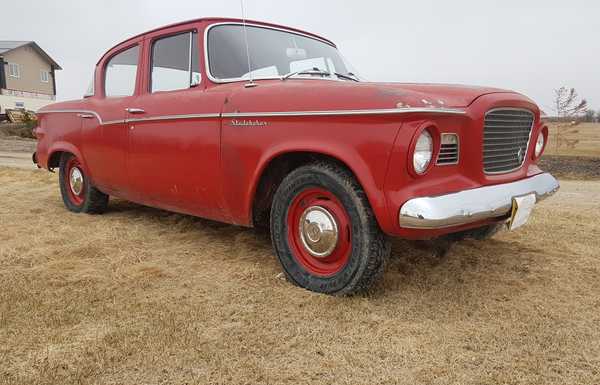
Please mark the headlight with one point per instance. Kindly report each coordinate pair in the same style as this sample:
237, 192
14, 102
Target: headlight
541, 142
423, 152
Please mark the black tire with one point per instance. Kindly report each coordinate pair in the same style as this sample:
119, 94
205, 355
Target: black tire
368, 247
90, 200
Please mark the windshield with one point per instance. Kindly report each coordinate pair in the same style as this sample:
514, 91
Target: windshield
273, 53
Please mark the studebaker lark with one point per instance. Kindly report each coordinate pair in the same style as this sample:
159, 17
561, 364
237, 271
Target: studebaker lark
256, 124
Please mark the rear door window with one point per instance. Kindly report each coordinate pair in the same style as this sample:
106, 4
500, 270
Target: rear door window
121, 73
175, 63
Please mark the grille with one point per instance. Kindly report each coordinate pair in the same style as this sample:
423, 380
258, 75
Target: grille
448, 150
505, 139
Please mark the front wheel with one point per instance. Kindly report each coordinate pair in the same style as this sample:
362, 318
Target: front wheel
324, 231
78, 193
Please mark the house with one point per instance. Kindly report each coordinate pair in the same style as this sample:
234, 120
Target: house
26, 76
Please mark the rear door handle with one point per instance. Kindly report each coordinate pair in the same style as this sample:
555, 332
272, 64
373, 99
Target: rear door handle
135, 110
86, 116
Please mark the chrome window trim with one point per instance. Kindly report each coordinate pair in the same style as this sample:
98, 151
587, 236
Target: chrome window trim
526, 148
233, 80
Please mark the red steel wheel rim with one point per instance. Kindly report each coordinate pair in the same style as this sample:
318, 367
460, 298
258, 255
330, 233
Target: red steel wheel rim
74, 181
319, 232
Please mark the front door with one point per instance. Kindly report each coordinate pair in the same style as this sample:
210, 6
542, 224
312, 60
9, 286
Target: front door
174, 131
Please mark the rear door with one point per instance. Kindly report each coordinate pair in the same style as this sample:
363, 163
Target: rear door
106, 136
174, 129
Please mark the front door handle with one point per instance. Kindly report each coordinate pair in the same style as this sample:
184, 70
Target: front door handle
135, 110
86, 116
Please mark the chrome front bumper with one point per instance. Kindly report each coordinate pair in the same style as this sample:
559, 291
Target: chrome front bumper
473, 205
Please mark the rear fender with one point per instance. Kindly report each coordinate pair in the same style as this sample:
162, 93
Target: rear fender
65, 147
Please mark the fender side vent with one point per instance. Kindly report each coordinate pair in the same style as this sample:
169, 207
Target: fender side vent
449, 150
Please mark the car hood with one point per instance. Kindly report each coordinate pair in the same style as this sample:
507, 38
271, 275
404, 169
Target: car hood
442, 95
317, 95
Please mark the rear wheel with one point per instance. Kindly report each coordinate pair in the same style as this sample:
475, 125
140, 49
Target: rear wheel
78, 194
324, 231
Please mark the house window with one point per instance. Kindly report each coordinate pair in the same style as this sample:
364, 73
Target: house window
14, 70
44, 76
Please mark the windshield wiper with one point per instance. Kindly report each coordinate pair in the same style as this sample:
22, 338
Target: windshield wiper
348, 76
309, 71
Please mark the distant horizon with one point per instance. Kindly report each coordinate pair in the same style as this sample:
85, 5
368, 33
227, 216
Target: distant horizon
513, 46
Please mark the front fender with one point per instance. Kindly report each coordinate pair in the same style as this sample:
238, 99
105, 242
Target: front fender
348, 156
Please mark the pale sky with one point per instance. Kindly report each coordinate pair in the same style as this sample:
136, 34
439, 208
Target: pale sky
530, 46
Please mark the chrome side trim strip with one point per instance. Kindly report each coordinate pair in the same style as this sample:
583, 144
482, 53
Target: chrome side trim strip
173, 117
109, 122
121, 121
472, 205
392, 111
72, 112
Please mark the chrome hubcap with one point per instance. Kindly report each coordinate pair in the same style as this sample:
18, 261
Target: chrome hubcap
76, 181
318, 231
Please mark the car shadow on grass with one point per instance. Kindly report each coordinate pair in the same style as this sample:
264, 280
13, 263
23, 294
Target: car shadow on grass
465, 263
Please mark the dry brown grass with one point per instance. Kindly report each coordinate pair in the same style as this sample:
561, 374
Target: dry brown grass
588, 136
141, 296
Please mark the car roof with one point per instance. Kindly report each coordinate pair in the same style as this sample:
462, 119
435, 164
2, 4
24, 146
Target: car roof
214, 20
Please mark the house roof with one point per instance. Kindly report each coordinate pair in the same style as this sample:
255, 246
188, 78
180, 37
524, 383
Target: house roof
10, 45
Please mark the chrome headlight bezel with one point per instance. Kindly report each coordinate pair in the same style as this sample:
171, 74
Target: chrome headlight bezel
540, 143
423, 152
423, 149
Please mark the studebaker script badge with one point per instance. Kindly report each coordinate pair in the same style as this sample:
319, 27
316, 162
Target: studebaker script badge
248, 123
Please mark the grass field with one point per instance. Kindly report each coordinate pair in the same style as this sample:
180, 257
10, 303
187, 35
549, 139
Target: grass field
589, 141
142, 296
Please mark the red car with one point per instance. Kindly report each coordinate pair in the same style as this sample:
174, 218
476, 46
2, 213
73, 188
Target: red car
257, 124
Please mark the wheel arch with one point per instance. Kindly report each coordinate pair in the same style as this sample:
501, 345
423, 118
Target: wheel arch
55, 152
275, 167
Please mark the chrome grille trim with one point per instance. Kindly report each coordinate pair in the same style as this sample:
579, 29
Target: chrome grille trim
506, 133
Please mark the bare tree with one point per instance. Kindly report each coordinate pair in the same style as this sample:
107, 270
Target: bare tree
570, 110
590, 116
